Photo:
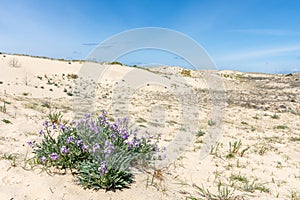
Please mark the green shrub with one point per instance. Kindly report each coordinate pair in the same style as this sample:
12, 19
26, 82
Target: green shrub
186, 72
100, 152
281, 127
200, 133
72, 76
6, 121
115, 63
275, 116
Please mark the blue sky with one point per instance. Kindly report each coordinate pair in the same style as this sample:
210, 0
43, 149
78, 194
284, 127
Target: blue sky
244, 35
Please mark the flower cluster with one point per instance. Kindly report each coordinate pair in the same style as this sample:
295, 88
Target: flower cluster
64, 150
102, 168
31, 144
53, 156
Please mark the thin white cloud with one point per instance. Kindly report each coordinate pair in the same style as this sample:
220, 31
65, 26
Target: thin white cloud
258, 53
275, 32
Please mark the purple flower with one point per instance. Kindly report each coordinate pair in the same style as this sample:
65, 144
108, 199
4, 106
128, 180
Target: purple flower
83, 120
64, 150
41, 132
137, 143
124, 134
113, 137
150, 136
102, 168
104, 113
95, 147
79, 143
70, 139
53, 125
31, 144
84, 147
46, 124
43, 159
53, 156
103, 120
74, 121
62, 127
88, 115
114, 127
130, 144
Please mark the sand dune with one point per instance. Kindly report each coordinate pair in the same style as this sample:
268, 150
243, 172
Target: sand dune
262, 111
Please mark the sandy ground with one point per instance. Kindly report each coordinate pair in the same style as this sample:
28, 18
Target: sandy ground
259, 110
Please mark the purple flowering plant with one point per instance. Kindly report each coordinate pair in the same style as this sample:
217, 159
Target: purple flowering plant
101, 153
61, 146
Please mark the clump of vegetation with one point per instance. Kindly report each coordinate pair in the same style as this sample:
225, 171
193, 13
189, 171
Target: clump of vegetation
226, 76
200, 133
241, 182
294, 195
254, 186
275, 116
55, 118
234, 149
72, 76
262, 150
239, 177
223, 193
295, 139
6, 121
281, 127
211, 122
115, 63
11, 157
186, 72
101, 153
